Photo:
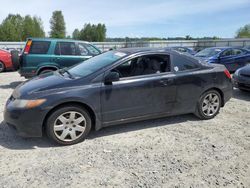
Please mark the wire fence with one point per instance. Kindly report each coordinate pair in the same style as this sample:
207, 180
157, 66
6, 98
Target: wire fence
195, 44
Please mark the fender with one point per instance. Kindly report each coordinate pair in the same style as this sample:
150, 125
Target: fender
54, 66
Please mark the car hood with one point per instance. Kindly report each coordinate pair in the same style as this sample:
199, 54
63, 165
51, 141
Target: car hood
42, 83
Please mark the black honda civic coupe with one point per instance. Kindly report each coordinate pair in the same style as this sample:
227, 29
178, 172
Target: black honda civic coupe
116, 87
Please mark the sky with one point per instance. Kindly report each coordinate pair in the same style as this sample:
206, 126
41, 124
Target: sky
141, 18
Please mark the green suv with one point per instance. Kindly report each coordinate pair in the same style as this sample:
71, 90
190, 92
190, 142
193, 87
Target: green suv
42, 55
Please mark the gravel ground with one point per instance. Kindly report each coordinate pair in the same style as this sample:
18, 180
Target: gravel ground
180, 151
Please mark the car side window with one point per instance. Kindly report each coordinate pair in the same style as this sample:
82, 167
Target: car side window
237, 52
92, 49
226, 53
65, 48
183, 64
144, 65
39, 47
83, 51
182, 50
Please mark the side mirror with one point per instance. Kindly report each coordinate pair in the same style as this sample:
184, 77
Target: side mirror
112, 77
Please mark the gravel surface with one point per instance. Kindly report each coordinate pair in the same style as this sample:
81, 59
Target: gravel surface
180, 151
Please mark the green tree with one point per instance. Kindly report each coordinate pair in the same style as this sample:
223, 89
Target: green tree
32, 27
38, 27
76, 34
243, 32
92, 33
11, 28
57, 25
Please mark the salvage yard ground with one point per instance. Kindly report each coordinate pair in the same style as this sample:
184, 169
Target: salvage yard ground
180, 151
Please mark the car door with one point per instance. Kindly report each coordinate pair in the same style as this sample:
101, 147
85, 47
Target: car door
66, 54
227, 58
189, 83
241, 58
138, 95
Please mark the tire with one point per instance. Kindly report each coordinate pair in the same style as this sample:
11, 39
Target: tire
207, 107
2, 67
15, 59
68, 125
45, 71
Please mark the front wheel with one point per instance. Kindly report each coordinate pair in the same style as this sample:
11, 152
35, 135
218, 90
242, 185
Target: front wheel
68, 125
208, 105
2, 67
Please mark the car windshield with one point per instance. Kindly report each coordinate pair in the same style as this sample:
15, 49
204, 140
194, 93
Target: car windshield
96, 63
208, 52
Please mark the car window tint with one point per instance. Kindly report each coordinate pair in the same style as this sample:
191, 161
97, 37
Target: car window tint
182, 50
39, 47
237, 52
65, 48
83, 51
144, 65
181, 63
228, 52
92, 49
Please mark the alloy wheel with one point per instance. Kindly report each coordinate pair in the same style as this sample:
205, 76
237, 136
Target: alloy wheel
210, 104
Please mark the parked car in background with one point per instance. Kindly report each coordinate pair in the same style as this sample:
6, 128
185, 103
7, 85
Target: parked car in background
116, 87
42, 55
247, 47
5, 61
232, 58
184, 50
242, 78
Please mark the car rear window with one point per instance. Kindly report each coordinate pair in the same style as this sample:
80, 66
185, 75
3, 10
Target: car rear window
39, 47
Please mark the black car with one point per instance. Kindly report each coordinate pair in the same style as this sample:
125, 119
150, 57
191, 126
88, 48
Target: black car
117, 87
242, 78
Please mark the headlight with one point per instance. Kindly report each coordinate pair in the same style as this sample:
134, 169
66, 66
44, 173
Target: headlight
20, 103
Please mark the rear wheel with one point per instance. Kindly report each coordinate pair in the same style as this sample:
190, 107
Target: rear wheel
2, 67
68, 125
208, 105
15, 59
45, 71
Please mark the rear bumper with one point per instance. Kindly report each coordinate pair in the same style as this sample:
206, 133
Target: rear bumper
227, 94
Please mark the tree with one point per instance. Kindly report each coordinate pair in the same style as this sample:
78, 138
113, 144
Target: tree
57, 25
91, 33
17, 28
243, 32
76, 34
11, 28
32, 27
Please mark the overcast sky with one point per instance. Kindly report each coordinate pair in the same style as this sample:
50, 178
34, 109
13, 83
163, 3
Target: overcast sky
141, 18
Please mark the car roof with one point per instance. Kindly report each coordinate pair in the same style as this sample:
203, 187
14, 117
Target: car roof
169, 51
225, 47
139, 50
55, 39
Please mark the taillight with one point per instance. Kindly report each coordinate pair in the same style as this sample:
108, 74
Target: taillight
27, 47
227, 73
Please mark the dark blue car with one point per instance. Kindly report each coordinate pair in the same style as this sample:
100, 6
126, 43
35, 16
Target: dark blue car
232, 58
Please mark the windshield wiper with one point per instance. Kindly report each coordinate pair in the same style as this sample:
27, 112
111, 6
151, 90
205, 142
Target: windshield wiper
62, 71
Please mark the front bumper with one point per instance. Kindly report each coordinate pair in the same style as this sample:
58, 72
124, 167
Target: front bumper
27, 122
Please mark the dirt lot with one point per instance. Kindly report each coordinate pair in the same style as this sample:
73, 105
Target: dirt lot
179, 151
